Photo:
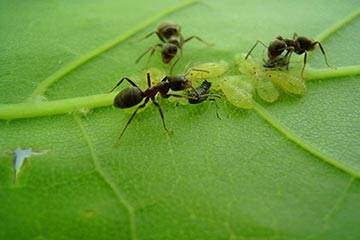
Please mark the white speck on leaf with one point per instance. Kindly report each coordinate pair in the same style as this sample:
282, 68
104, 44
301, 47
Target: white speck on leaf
20, 156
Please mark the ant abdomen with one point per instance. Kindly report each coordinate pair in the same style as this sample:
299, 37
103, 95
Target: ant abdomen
128, 97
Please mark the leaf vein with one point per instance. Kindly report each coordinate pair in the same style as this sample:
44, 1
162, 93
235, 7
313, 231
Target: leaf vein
302, 143
82, 59
119, 195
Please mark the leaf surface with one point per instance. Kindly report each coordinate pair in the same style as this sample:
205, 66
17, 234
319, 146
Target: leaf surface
286, 170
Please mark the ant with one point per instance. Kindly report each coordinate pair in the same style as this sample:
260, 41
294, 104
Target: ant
202, 94
133, 95
298, 44
166, 30
172, 42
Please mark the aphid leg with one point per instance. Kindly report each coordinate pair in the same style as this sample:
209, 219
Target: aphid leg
127, 79
161, 113
253, 47
199, 39
303, 68
152, 49
216, 107
133, 115
322, 51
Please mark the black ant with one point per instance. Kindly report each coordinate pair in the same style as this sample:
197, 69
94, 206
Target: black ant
133, 95
172, 42
166, 30
202, 94
297, 44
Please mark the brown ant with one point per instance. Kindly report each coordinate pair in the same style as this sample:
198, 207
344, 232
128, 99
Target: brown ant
133, 95
172, 42
298, 44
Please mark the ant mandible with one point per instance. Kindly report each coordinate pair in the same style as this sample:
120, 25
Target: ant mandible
172, 42
298, 44
133, 95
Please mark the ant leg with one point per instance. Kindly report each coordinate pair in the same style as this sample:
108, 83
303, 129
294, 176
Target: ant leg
195, 69
161, 113
152, 49
322, 51
295, 35
148, 79
133, 115
164, 79
176, 61
199, 39
179, 96
287, 56
253, 47
173, 65
303, 68
143, 38
211, 95
127, 79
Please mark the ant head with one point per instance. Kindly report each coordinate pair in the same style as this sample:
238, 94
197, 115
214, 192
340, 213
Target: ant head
178, 83
278, 62
276, 48
168, 52
168, 29
305, 43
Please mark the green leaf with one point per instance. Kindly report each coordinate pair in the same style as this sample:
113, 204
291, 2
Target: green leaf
285, 170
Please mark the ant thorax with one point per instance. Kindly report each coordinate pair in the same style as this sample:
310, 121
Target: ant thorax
304, 44
176, 40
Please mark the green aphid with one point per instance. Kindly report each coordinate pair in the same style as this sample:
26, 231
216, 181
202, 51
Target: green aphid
266, 90
287, 82
248, 67
208, 70
238, 91
264, 87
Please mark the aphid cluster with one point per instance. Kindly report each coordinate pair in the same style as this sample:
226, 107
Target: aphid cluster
254, 78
